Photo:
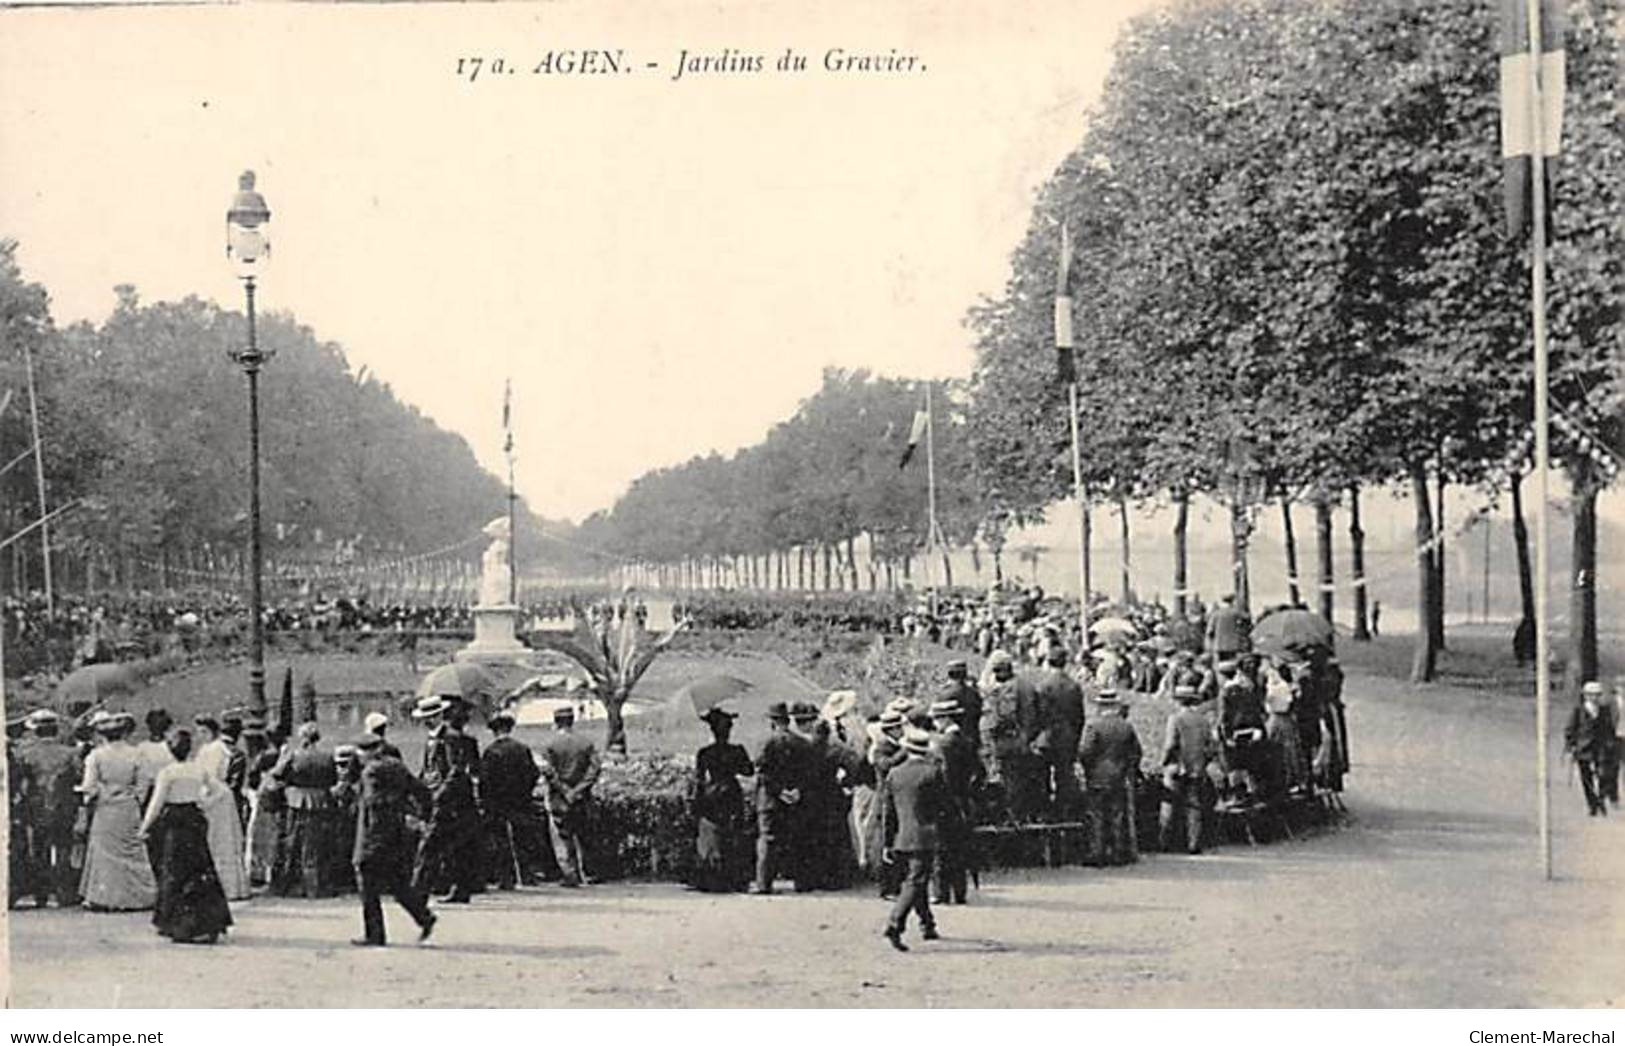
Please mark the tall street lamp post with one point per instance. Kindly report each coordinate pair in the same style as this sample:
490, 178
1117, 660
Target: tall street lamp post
248, 245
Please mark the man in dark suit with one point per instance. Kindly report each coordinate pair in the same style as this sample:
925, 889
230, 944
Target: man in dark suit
508, 777
1228, 629
1242, 749
1589, 738
1060, 704
962, 691
570, 766
962, 771
384, 846
915, 800
780, 786
450, 854
1188, 747
1111, 760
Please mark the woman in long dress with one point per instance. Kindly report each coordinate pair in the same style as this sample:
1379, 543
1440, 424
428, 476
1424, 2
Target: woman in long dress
225, 830
118, 872
722, 843
266, 805
191, 907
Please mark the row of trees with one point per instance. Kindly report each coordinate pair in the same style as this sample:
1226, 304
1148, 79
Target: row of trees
823, 487
143, 421
1291, 282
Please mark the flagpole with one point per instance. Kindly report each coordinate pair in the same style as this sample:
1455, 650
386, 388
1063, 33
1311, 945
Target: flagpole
931, 496
1537, 280
1069, 373
513, 527
39, 480
1083, 521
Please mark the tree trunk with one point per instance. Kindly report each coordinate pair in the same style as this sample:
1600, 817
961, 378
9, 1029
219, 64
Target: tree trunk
998, 563
1436, 620
801, 567
614, 723
1582, 659
1526, 572
1128, 577
1362, 631
1182, 515
947, 569
1240, 531
1424, 660
827, 568
1294, 596
1323, 545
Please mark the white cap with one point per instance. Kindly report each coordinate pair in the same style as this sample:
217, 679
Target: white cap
375, 720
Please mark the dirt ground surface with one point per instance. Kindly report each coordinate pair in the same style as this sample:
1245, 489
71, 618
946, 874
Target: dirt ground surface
1429, 896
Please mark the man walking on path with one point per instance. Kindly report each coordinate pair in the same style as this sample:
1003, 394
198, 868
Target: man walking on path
1590, 740
915, 799
384, 848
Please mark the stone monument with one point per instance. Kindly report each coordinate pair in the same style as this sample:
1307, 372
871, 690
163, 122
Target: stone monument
495, 617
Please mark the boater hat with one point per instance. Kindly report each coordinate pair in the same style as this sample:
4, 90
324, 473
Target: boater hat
428, 707
916, 740
374, 720
803, 712
946, 709
839, 703
779, 712
1108, 696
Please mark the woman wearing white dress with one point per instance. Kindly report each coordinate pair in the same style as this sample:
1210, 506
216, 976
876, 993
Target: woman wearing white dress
225, 829
191, 907
118, 873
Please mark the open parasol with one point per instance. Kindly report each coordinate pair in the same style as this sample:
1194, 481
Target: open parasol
97, 683
1110, 628
1293, 629
702, 695
460, 679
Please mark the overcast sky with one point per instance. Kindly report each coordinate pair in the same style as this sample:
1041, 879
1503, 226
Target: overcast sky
663, 267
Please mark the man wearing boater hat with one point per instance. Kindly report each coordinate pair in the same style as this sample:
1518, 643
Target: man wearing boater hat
780, 783
449, 853
1188, 748
963, 773
1111, 760
914, 801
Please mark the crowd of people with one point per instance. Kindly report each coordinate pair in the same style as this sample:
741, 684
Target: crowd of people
190, 819
194, 817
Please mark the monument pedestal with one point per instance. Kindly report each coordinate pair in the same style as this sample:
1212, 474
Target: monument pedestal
494, 638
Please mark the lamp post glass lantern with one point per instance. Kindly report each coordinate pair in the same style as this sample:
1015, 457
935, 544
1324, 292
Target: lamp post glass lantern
248, 245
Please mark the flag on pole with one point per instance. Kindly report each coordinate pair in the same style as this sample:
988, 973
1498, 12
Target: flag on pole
1066, 370
915, 433
1517, 130
507, 416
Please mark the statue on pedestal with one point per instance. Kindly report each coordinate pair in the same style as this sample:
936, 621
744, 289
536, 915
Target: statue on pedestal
495, 577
